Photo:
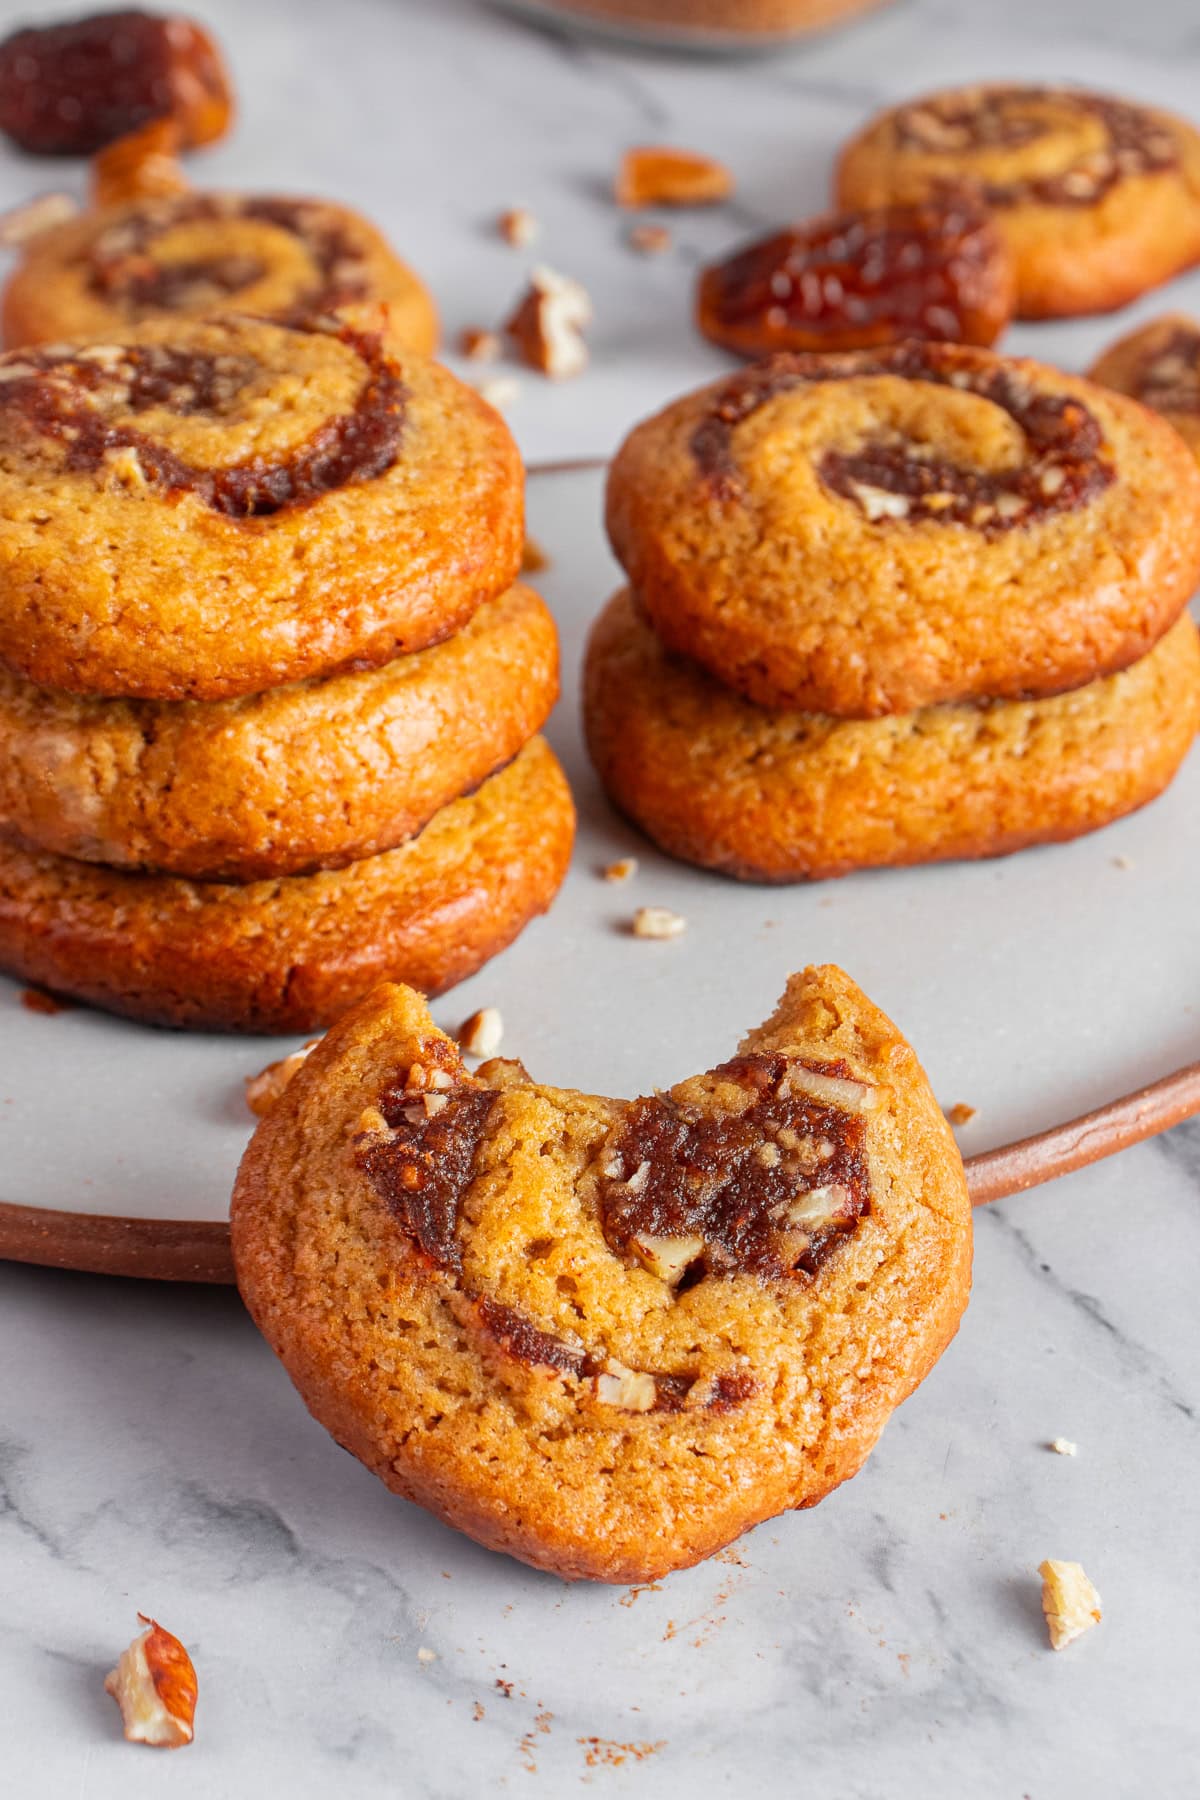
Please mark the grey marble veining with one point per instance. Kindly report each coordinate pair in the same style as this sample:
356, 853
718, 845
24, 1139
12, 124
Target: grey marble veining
890, 1644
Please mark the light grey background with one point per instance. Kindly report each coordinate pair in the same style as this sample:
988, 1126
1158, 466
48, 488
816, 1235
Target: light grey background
889, 1644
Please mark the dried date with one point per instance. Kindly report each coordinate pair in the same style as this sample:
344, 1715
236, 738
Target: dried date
70, 89
857, 280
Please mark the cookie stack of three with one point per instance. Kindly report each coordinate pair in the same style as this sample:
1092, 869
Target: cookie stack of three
894, 607
269, 697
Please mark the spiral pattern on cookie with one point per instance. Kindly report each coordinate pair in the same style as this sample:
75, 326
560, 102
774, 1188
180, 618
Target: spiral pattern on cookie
1095, 140
890, 478
86, 401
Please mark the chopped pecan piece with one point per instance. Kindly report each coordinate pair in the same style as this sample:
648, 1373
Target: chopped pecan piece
658, 175
548, 323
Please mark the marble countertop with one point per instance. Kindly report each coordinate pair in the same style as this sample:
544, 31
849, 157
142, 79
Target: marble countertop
889, 1644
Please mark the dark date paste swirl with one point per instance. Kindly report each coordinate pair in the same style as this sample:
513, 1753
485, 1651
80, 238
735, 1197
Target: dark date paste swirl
730, 1180
80, 399
1135, 143
123, 271
1064, 468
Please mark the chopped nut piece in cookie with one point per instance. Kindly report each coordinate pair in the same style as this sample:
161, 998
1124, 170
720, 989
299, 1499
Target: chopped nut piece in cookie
480, 1035
832, 1090
1069, 1601
548, 322
264, 1089
518, 227
624, 869
625, 1388
479, 345
1064, 1447
501, 392
21, 223
649, 240
667, 1257
658, 922
960, 1113
154, 1684
657, 175
533, 557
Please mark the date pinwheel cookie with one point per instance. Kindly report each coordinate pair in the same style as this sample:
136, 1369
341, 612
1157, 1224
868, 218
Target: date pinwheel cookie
607, 1337
1159, 364
311, 775
182, 256
1098, 198
877, 531
210, 508
790, 796
291, 954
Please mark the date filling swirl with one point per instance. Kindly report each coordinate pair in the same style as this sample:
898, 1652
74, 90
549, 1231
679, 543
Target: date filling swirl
1065, 466
82, 400
125, 267
1131, 142
765, 1185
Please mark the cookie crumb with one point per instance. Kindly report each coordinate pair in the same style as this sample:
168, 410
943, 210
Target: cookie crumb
1063, 1447
624, 869
477, 1711
479, 345
960, 1113
533, 558
35, 1001
426, 1656
649, 240
1069, 1601
501, 392
481, 1034
1122, 862
518, 227
658, 922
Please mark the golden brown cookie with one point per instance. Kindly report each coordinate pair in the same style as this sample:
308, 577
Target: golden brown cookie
1159, 364
874, 532
792, 796
291, 954
186, 255
607, 1337
218, 506
308, 776
1099, 199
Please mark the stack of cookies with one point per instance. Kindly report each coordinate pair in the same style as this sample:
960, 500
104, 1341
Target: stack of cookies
269, 697
891, 607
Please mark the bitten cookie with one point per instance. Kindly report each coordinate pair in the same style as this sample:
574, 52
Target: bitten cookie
1098, 199
290, 955
791, 796
607, 1337
878, 531
211, 508
1159, 364
186, 255
307, 776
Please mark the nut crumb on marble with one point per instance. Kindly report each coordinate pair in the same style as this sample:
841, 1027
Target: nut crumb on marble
1122, 862
479, 345
518, 227
624, 869
661, 175
960, 1113
1063, 1447
154, 1685
547, 326
426, 1656
264, 1089
1069, 1601
481, 1034
658, 922
649, 240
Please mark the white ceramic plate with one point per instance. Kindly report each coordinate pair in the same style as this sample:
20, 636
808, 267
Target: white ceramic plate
1034, 987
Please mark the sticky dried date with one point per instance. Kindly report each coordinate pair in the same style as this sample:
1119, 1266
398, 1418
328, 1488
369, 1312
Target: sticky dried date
69, 89
857, 280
